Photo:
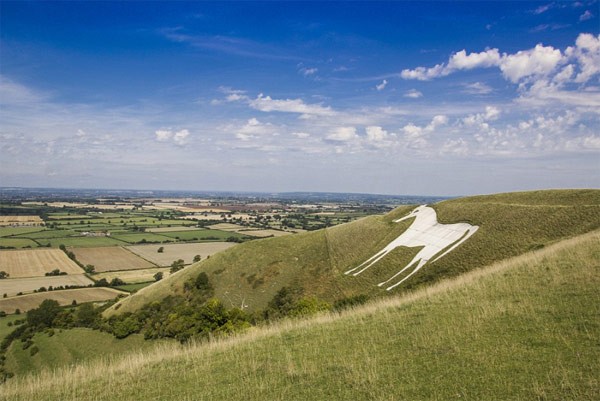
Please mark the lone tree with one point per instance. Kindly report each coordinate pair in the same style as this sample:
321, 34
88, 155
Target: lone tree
3, 274
197, 258
177, 265
158, 276
161, 249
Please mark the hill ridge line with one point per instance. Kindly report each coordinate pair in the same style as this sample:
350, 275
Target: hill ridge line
136, 360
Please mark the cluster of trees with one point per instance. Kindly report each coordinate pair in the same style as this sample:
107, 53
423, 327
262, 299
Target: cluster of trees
195, 314
55, 272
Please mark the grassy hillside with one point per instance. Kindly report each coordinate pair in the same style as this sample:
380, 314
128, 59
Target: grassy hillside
313, 263
66, 347
521, 329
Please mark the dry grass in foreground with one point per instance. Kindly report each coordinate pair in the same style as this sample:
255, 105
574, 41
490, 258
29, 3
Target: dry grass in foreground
525, 329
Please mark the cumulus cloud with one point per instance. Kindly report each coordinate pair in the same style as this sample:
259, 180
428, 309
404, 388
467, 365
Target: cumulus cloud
376, 133
458, 61
268, 104
464, 61
413, 94
382, 85
543, 73
586, 53
480, 120
163, 135
538, 61
342, 134
178, 137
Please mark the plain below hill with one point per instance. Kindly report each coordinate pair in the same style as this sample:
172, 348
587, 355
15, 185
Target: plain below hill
313, 264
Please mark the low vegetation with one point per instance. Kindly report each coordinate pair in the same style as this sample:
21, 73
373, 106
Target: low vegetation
519, 329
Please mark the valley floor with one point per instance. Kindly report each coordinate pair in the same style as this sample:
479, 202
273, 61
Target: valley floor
522, 329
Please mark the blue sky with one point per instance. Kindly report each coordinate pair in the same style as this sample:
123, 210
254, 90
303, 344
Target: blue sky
429, 98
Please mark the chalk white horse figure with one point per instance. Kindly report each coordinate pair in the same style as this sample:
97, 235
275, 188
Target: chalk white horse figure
425, 231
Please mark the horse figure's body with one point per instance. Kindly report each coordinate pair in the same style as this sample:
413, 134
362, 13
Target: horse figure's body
425, 231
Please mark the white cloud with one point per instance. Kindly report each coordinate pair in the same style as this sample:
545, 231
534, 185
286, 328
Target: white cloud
587, 54
491, 113
180, 137
539, 61
543, 73
165, 135
301, 135
267, 104
424, 74
458, 61
308, 71
15, 93
542, 9
586, 16
464, 61
413, 94
342, 134
376, 133
477, 88
382, 85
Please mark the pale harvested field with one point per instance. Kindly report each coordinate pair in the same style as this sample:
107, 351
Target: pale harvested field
264, 233
245, 230
20, 220
134, 276
173, 252
12, 286
64, 297
110, 258
227, 227
216, 217
170, 229
36, 262
126, 206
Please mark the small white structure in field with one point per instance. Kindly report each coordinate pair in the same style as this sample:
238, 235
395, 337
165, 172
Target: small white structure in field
425, 231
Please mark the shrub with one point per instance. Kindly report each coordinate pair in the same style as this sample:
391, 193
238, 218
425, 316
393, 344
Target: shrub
116, 282
158, 276
34, 350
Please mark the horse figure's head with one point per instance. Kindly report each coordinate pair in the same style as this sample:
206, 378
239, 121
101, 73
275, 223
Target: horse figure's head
420, 213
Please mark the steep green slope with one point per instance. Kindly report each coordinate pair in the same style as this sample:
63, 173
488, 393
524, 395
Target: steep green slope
313, 263
522, 329
66, 347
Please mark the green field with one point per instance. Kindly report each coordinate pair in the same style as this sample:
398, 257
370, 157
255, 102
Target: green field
17, 242
142, 237
524, 329
67, 347
133, 287
313, 263
49, 234
10, 231
201, 235
81, 242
